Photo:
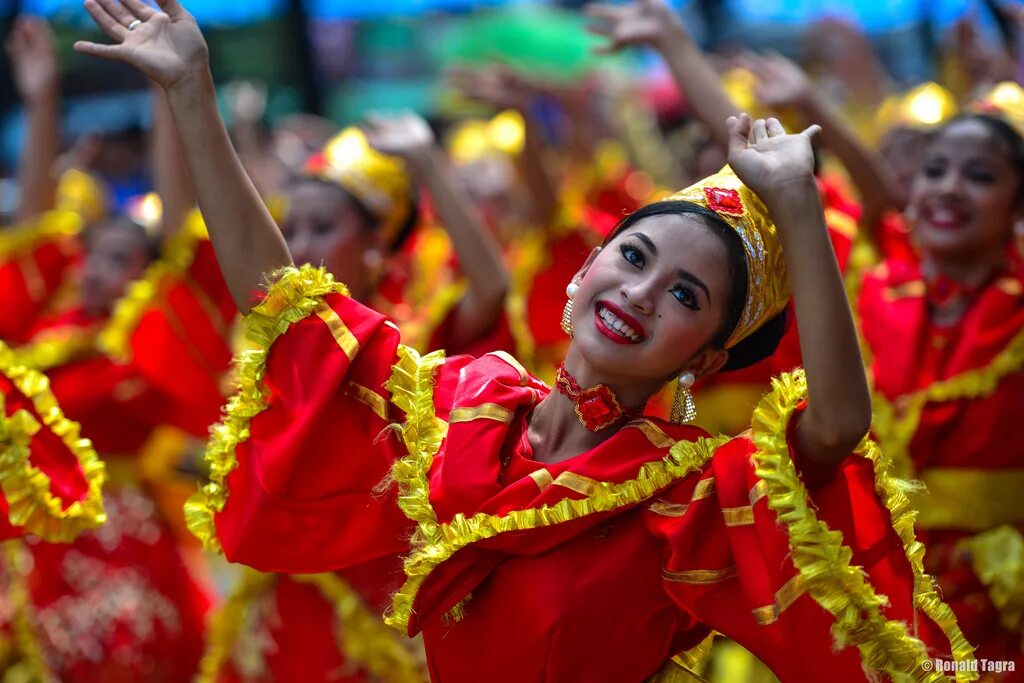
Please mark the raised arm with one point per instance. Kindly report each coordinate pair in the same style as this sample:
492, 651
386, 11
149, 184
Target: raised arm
779, 168
782, 83
654, 24
168, 47
33, 56
170, 173
409, 137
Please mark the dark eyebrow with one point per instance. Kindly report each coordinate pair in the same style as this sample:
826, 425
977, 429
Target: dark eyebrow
694, 280
647, 241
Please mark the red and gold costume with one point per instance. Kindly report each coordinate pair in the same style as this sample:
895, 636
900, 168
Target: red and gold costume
344, 447
947, 403
120, 601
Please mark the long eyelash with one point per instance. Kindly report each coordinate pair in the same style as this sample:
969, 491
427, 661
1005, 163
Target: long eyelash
627, 247
695, 305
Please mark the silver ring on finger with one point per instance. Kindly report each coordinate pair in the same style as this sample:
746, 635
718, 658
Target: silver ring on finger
131, 26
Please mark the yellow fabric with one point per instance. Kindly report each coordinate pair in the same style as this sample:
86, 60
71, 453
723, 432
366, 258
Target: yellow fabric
970, 499
295, 294
31, 505
997, 556
51, 225
363, 638
225, 622
823, 560
1006, 101
32, 668
923, 107
474, 139
83, 194
54, 347
767, 283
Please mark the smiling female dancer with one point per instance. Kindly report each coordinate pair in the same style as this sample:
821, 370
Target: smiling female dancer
557, 535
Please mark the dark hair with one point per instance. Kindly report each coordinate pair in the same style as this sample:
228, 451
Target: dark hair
369, 219
763, 341
149, 245
1003, 131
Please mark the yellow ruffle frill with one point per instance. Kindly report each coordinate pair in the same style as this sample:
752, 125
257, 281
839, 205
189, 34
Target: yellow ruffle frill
50, 225
32, 665
997, 556
31, 504
895, 423
175, 259
823, 560
294, 294
412, 389
225, 623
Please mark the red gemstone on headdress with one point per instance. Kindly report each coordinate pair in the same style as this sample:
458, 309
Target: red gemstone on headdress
316, 163
724, 201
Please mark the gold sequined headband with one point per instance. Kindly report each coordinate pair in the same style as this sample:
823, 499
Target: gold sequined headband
1004, 101
380, 182
742, 210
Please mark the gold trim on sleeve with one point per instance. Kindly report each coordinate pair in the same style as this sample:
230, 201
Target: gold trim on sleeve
524, 376
784, 597
542, 478
487, 411
738, 516
758, 491
704, 489
374, 401
701, 577
576, 482
667, 509
654, 433
346, 340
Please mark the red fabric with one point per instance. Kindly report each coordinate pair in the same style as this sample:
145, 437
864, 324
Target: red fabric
541, 599
29, 281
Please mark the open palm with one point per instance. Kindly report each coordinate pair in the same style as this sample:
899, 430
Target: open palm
644, 22
165, 45
767, 158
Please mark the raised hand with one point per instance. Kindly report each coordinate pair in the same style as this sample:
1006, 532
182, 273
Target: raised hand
644, 22
495, 85
404, 135
165, 45
781, 82
769, 160
33, 54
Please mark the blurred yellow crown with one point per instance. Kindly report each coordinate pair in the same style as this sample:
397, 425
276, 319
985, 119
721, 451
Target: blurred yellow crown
923, 107
1005, 101
475, 139
742, 210
83, 194
378, 181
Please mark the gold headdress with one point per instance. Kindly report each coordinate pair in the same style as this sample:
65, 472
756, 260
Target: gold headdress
1004, 101
922, 107
380, 182
82, 193
474, 139
743, 211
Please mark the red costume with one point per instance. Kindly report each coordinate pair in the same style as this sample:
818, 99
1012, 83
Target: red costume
599, 568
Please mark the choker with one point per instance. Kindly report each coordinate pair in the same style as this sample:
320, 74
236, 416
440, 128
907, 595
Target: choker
596, 407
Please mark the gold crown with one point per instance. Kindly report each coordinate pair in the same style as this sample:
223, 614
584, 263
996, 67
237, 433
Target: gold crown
1004, 101
82, 193
744, 212
474, 139
924, 107
380, 182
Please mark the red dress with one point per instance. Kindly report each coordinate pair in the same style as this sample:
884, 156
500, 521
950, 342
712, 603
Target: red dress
948, 404
599, 568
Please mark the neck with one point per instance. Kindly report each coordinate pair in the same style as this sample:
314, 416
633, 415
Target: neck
555, 431
972, 270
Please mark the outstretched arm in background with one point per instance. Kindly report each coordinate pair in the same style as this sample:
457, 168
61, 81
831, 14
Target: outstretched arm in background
408, 136
33, 55
170, 173
168, 47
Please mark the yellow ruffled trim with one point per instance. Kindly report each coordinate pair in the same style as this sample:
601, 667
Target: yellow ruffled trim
32, 666
529, 257
51, 225
226, 621
823, 560
294, 294
997, 556
412, 389
31, 505
895, 423
175, 259
363, 638
55, 347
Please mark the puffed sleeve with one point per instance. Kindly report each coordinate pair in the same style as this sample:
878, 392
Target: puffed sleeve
297, 462
821, 584
50, 477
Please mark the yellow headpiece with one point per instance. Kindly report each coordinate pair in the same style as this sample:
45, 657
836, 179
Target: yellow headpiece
471, 140
380, 182
743, 211
923, 107
82, 193
1005, 101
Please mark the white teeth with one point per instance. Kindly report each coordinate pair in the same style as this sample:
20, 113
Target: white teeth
617, 324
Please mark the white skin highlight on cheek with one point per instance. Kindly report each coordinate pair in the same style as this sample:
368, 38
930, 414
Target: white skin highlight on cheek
653, 277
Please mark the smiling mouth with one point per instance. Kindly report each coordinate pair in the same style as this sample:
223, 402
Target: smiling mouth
615, 327
946, 219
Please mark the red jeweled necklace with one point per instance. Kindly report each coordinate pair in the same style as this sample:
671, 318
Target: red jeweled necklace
596, 407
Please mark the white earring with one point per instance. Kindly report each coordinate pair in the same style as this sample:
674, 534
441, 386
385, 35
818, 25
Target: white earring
683, 408
571, 289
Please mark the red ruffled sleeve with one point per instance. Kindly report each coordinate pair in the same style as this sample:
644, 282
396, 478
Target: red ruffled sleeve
822, 584
51, 478
298, 460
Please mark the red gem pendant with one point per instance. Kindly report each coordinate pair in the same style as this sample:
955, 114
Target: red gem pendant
724, 201
598, 408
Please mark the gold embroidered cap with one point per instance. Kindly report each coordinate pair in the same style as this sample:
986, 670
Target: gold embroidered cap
1004, 101
742, 210
379, 181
